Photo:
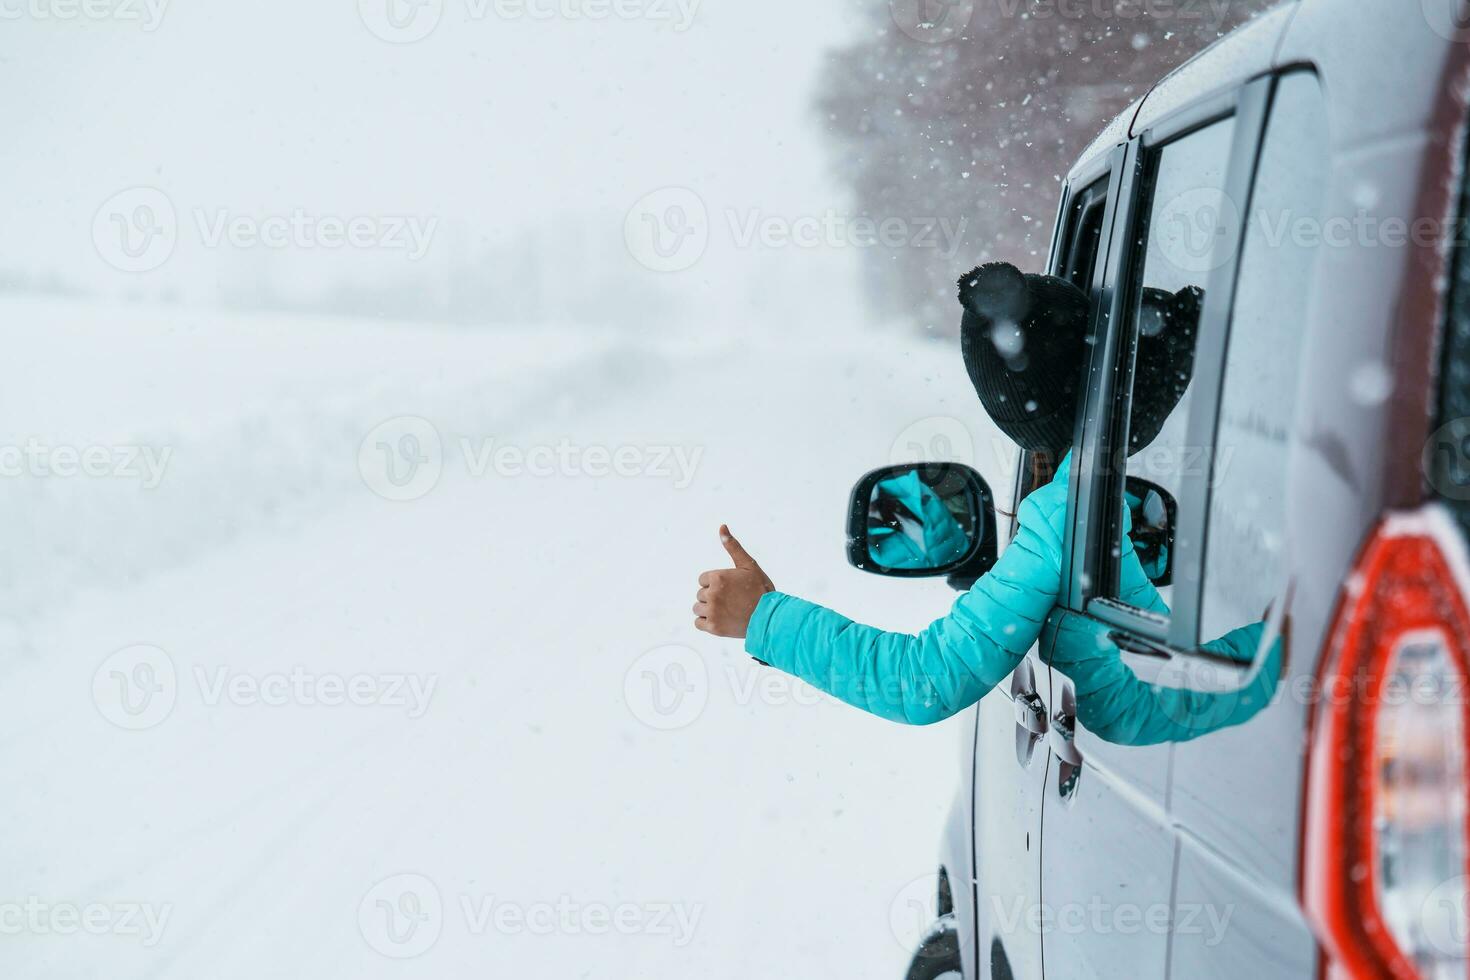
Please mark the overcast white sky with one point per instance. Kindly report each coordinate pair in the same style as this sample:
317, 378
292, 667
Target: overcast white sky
493, 122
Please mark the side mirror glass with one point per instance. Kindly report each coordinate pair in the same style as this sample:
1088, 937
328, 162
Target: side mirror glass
921, 520
1155, 515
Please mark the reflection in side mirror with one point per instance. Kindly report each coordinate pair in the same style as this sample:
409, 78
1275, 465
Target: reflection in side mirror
1155, 516
922, 519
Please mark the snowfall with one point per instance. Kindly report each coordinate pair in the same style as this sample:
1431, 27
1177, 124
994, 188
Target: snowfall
365, 650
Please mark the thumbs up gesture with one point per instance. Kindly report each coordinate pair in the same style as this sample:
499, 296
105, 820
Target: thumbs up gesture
727, 597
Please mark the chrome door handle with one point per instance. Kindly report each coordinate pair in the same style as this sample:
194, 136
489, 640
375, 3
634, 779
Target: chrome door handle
1062, 740
1030, 712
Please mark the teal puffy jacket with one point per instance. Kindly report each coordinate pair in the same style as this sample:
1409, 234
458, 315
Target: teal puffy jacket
924, 678
938, 538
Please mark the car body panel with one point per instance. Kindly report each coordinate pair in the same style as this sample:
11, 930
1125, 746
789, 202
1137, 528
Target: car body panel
1235, 59
1108, 847
1215, 936
957, 847
1382, 62
1008, 802
1214, 824
1102, 144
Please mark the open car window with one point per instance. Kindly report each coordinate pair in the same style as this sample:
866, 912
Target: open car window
1245, 559
1084, 236
1177, 244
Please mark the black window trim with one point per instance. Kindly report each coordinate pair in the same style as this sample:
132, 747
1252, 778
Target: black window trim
1072, 255
1088, 545
1080, 546
1083, 182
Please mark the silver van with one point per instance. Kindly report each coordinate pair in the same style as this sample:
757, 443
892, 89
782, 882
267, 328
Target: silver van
1309, 174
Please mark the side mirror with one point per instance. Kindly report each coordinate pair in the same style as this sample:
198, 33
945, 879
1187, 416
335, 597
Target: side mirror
1155, 515
921, 520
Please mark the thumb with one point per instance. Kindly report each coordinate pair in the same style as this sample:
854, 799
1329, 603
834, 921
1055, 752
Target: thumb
737, 553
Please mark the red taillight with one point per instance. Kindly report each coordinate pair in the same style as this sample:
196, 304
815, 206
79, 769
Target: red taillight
1385, 846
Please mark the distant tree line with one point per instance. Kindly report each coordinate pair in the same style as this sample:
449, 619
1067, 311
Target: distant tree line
973, 111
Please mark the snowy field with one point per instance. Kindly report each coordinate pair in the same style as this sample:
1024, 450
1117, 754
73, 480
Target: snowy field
259, 720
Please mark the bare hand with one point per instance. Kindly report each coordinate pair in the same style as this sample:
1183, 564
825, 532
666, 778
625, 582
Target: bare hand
727, 597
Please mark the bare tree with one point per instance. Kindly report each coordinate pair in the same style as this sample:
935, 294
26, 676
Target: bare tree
972, 111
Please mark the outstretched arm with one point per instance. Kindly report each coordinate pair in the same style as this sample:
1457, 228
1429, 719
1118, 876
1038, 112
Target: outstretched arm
1115, 705
923, 678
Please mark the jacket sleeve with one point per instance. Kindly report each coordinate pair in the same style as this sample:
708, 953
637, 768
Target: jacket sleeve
1134, 587
1114, 704
924, 678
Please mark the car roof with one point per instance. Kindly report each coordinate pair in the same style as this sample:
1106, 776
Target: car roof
1382, 63
1245, 52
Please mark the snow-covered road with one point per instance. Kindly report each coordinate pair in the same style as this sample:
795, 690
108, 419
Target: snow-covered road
260, 721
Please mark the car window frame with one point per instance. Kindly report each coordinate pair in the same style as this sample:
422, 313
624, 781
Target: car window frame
1087, 570
1101, 171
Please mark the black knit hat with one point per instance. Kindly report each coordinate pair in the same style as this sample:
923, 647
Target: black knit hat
1168, 326
1024, 339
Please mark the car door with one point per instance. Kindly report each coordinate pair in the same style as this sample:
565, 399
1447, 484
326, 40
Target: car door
1108, 847
1234, 797
1012, 756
